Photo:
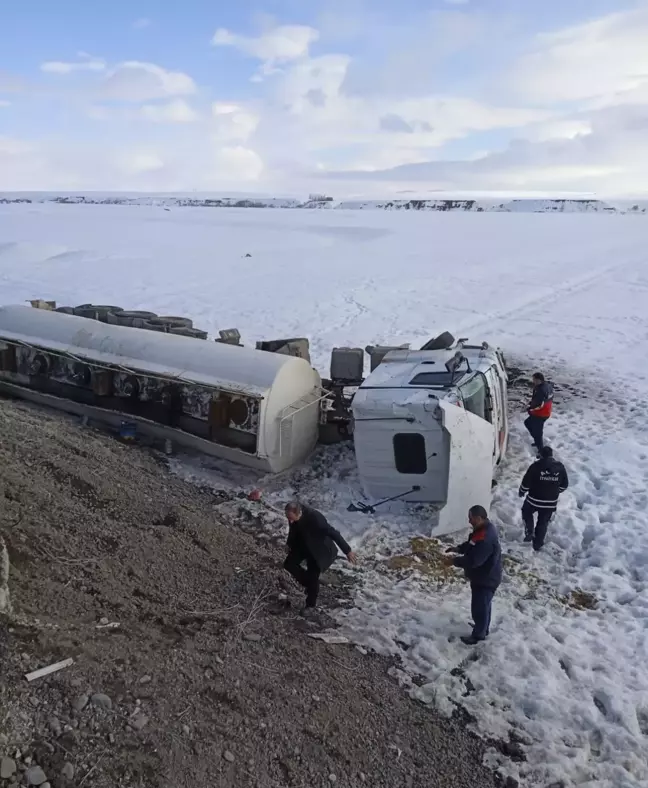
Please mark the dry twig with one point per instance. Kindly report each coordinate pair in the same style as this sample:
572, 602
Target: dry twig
89, 772
68, 561
209, 612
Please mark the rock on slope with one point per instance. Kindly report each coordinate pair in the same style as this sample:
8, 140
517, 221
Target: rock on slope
207, 676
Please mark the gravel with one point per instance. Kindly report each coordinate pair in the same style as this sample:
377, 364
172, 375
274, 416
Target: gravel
95, 530
101, 700
68, 770
7, 768
35, 776
139, 722
55, 726
80, 702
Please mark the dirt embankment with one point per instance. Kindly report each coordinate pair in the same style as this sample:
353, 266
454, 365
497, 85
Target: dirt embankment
191, 667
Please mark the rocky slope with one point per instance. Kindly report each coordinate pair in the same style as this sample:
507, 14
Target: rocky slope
191, 668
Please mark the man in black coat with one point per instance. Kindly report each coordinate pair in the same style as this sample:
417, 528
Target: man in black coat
311, 539
481, 559
542, 485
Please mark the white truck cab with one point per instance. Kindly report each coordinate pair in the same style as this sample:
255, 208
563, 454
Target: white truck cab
431, 426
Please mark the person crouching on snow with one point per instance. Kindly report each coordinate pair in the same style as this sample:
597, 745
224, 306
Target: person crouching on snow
481, 559
311, 540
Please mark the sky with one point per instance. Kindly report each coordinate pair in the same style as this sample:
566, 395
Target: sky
343, 97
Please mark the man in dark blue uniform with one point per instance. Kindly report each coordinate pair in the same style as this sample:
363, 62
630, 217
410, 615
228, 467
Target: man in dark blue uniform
313, 541
543, 483
481, 559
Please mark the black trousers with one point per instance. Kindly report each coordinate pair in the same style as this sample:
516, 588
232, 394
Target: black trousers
535, 425
481, 605
309, 578
536, 530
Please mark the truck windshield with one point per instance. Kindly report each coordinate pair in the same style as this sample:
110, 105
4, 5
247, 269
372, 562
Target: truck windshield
473, 394
441, 379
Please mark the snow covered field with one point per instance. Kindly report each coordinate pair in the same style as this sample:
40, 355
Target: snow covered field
567, 294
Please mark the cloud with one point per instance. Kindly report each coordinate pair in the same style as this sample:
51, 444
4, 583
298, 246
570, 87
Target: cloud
420, 56
310, 122
319, 77
176, 111
560, 128
553, 131
392, 122
201, 164
22, 167
336, 120
233, 122
608, 156
137, 162
593, 61
454, 98
135, 81
316, 97
173, 112
236, 162
130, 81
13, 147
277, 45
87, 63
140, 24
190, 158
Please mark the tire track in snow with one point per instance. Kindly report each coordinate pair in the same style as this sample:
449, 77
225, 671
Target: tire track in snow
575, 285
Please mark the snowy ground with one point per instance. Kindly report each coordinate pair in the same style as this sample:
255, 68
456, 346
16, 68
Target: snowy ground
563, 293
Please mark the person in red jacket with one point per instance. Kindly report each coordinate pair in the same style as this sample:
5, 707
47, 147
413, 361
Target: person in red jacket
539, 409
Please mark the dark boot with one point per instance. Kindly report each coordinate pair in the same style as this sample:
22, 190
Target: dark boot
469, 640
528, 512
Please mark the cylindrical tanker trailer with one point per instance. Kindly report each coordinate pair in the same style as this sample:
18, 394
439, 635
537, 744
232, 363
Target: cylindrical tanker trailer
252, 407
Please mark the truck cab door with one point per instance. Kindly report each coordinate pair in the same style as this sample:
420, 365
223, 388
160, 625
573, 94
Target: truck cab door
470, 468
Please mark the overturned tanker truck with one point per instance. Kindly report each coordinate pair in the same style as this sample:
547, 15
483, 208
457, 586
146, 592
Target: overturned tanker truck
428, 425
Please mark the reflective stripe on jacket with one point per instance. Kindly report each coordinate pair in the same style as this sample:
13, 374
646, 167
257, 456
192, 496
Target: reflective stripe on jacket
543, 483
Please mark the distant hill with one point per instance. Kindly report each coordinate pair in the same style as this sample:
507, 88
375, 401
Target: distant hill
322, 202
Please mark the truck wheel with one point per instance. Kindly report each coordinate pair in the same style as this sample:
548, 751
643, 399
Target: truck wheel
97, 312
174, 322
132, 318
196, 333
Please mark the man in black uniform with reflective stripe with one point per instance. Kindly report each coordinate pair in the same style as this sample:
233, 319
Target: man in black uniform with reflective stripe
311, 540
542, 484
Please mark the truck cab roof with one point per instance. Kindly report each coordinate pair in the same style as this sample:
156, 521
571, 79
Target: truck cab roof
416, 369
